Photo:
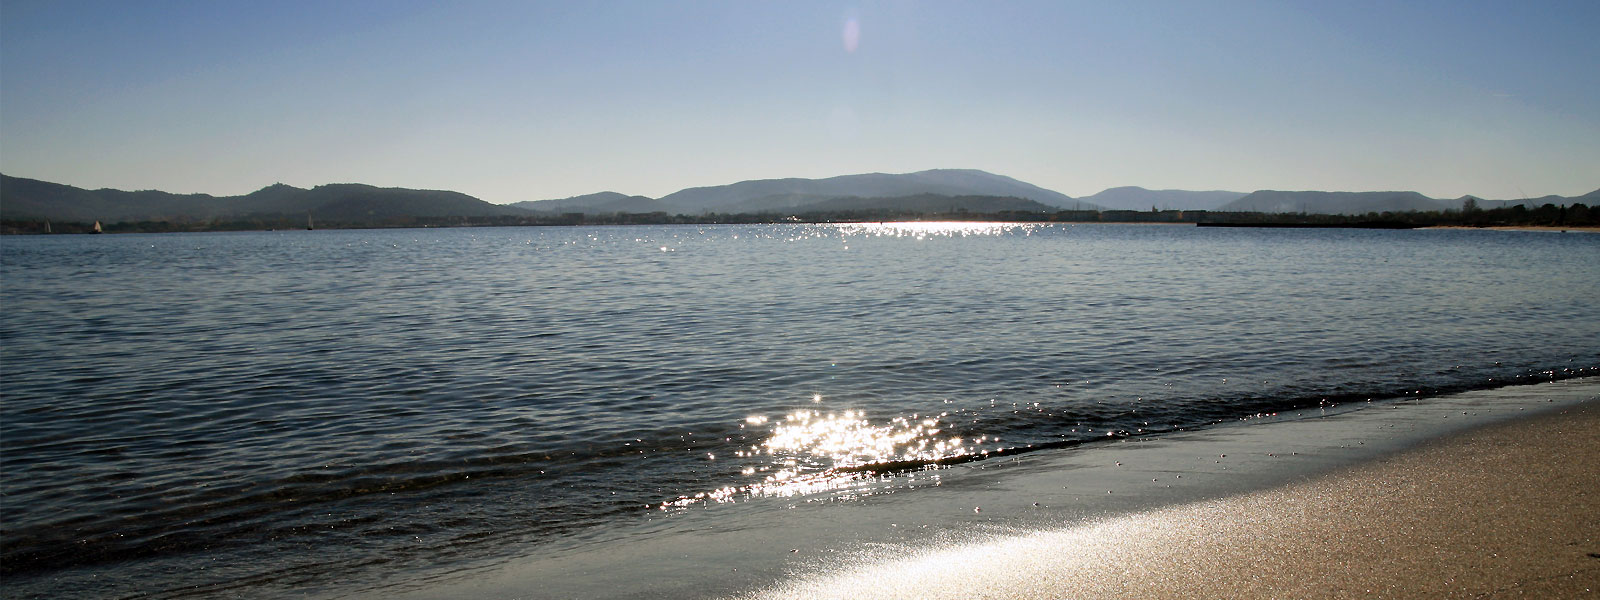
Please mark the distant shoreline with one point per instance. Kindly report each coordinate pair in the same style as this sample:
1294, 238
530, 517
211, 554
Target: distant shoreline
35, 206
1188, 218
1581, 229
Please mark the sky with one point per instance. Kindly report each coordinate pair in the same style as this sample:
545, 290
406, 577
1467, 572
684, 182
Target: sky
528, 100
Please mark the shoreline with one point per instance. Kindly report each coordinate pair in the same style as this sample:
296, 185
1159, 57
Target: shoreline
1583, 229
74, 228
1508, 509
885, 532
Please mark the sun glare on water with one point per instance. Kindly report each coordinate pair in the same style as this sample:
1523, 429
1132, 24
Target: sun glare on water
811, 451
927, 229
849, 440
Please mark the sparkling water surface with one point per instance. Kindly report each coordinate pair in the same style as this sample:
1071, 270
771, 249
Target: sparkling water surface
213, 414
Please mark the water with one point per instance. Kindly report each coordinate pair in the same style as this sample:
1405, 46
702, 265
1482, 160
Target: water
249, 413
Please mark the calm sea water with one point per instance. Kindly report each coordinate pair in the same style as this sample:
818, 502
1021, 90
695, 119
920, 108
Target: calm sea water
221, 413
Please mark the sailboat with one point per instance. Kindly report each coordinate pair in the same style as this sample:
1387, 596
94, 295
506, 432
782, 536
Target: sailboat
96, 228
47, 226
308, 222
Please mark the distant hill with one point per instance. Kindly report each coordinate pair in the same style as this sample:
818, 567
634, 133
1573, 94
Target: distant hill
786, 194
935, 191
929, 203
869, 191
1138, 198
22, 198
1588, 199
1333, 203
1360, 203
356, 202
601, 202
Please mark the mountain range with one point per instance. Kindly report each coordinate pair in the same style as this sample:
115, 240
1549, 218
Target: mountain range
812, 195
934, 191
22, 199
1138, 198
1348, 203
1360, 203
808, 195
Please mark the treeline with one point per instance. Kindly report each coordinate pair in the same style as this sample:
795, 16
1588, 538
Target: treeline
1549, 215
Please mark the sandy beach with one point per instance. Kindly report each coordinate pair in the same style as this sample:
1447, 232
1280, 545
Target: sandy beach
1510, 510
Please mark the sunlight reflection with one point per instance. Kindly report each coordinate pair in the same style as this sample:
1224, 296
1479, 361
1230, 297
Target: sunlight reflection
810, 451
1012, 563
848, 440
926, 229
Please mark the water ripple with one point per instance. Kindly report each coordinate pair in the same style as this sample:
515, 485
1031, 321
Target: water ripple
395, 398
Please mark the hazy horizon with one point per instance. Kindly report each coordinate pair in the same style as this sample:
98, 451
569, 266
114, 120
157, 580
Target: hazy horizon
513, 101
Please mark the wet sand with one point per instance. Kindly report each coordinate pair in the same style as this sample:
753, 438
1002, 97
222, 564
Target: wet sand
1508, 510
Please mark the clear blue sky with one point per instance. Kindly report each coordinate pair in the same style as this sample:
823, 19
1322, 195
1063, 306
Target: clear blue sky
527, 100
